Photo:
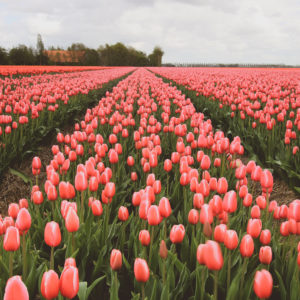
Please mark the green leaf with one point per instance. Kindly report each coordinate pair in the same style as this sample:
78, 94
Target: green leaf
281, 286
21, 175
165, 295
82, 290
114, 287
154, 291
91, 287
232, 293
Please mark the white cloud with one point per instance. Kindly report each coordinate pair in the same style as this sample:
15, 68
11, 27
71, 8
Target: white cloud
187, 30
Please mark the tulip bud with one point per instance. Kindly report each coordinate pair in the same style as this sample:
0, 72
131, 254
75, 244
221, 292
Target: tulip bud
193, 216
72, 220
247, 246
265, 255
164, 207
123, 213
52, 234
11, 240
265, 236
23, 222
15, 289
69, 282
219, 233
231, 239
116, 259
163, 251
144, 237
263, 284
50, 285
13, 210
207, 230
200, 254
141, 270
254, 227
177, 233
97, 208
213, 255
153, 215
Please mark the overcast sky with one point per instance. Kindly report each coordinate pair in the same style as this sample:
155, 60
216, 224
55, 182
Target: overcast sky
210, 31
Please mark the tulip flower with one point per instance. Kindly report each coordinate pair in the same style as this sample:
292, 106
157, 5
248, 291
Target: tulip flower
116, 259
177, 234
141, 270
164, 207
52, 236
15, 289
144, 237
219, 233
213, 255
247, 246
265, 237
265, 255
123, 213
193, 216
153, 215
11, 242
97, 208
263, 284
254, 227
230, 202
13, 210
230, 239
206, 215
69, 282
50, 285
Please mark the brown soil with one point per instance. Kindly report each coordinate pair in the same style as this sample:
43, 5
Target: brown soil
13, 188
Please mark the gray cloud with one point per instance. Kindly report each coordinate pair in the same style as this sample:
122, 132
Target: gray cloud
188, 30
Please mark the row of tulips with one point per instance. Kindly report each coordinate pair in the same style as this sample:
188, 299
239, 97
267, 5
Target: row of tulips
262, 106
31, 106
33, 70
146, 199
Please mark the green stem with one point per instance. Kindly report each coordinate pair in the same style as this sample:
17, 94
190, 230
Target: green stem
202, 282
244, 270
216, 285
228, 269
24, 256
164, 271
73, 242
151, 243
82, 207
52, 259
11, 259
167, 184
143, 290
165, 229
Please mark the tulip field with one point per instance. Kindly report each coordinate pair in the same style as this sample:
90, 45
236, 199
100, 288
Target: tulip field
149, 197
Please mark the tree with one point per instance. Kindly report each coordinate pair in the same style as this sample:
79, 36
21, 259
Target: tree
156, 57
42, 59
91, 58
120, 55
22, 55
3, 57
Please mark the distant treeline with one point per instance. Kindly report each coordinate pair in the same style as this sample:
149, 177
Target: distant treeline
108, 55
231, 65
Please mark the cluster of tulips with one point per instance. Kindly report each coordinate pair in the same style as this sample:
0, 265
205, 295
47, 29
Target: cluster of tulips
146, 199
262, 106
29, 105
34, 70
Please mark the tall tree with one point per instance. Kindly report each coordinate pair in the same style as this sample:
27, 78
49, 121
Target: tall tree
41, 57
156, 57
3, 57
